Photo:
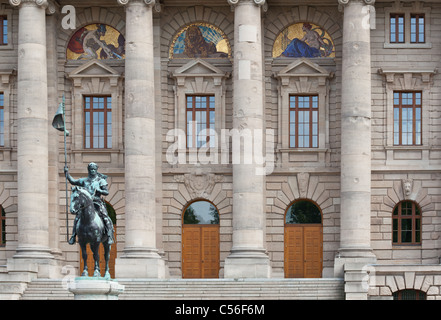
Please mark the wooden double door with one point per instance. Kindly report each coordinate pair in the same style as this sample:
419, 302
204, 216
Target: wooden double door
303, 251
200, 251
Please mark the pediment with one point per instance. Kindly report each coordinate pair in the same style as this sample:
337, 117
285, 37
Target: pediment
198, 67
94, 68
303, 68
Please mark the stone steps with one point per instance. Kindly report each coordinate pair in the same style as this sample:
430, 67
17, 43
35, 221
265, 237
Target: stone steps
203, 289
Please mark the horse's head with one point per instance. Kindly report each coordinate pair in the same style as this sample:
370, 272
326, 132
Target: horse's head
79, 199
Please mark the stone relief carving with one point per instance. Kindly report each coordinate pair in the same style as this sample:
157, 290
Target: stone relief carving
199, 185
407, 187
303, 180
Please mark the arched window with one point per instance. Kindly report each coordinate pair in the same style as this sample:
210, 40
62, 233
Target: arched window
2, 226
303, 211
409, 294
406, 223
201, 212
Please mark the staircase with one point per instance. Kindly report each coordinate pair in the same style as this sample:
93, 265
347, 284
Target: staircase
203, 289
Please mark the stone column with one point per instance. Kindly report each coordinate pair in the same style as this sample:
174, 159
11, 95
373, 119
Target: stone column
248, 258
140, 258
32, 137
355, 214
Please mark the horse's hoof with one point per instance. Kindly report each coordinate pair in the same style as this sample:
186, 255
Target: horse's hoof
85, 273
96, 273
107, 275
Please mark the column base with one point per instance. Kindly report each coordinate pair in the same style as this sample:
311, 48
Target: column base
247, 263
89, 288
359, 256
140, 263
37, 261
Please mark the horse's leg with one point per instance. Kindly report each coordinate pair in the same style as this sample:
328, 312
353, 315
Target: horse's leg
96, 257
107, 258
84, 255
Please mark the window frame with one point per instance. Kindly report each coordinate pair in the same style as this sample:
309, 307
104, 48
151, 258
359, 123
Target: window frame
2, 119
400, 106
2, 226
396, 32
210, 107
91, 110
4, 35
413, 217
313, 107
418, 16
416, 8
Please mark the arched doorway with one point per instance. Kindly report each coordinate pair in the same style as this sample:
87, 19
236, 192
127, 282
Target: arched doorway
303, 240
200, 240
90, 261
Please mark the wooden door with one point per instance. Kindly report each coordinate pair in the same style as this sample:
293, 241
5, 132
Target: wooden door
200, 251
303, 251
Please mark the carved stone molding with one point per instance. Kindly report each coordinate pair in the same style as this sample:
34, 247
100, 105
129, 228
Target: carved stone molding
407, 187
199, 185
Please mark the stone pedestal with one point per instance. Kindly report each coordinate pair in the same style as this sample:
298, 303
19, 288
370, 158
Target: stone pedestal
140, 258
89, 288
248, 258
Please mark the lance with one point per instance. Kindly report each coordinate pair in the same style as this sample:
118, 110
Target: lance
59, 123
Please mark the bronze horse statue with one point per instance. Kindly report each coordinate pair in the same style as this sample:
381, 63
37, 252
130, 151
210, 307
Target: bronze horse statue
90, 230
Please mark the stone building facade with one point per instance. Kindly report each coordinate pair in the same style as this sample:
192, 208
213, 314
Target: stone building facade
328, 105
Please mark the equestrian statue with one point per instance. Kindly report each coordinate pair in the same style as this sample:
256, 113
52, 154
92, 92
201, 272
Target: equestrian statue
92, 224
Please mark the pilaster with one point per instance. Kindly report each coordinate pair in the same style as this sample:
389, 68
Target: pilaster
140, 258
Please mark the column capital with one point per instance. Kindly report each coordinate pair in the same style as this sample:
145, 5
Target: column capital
345, 2
147, 2
257, 2
39, 3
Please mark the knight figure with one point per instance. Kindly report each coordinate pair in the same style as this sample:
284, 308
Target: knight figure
96, 184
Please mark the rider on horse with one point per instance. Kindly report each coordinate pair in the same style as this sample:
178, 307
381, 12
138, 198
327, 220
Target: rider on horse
96, 185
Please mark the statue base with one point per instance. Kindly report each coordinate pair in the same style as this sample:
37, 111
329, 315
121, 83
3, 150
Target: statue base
95, 288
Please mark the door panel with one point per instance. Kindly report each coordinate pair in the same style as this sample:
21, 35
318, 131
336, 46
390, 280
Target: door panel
303, 251
293, 252
210, 251
191, 252
200, 251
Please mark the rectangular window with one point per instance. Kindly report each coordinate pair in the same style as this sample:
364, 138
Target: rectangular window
303, 121
397, 28
407, 118
200, 121
97, 122
417, 28
2, 119
4, 30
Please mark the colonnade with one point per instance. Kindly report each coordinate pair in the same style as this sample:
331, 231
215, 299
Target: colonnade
140, 258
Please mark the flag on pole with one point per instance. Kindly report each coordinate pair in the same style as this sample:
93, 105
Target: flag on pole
59, 122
